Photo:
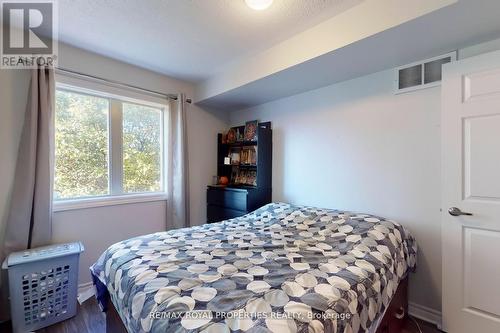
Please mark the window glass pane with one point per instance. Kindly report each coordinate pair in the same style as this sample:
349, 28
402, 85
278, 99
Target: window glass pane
141, 148
433, 69
81, 146
410, 77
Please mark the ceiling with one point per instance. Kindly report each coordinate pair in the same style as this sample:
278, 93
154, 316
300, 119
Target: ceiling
421, 35
238, 57
187, 39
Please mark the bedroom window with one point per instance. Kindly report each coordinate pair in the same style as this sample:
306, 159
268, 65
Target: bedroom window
141, 148
82, 149
108, 146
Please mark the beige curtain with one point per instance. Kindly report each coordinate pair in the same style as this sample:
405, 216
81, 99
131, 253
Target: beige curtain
30, 216
177, 165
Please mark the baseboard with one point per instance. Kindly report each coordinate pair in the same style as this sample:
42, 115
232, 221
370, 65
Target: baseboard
422, 312
85, 291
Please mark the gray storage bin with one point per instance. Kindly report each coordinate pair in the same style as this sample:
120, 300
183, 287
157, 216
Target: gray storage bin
43, 285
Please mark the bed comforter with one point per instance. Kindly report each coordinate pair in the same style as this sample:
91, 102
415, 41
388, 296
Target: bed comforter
281, 268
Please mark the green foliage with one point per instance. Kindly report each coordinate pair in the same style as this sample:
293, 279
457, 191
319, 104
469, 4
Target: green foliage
141, 148
81, 142
82, 154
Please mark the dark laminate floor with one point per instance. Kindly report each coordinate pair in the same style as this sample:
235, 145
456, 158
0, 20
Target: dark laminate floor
411, 327
90, 319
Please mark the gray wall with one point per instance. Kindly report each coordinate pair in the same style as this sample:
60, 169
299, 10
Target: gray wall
353, 145
357, 146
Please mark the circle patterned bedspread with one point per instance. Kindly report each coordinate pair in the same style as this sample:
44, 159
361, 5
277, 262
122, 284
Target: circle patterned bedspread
281, 268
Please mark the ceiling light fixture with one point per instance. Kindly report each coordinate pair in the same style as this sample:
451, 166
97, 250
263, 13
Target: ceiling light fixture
259, 4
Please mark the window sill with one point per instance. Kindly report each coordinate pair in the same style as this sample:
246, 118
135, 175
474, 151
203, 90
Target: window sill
61, 206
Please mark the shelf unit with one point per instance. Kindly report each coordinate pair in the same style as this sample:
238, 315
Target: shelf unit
238, 199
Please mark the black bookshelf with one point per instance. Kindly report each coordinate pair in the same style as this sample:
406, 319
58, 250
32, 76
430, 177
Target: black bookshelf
233, 200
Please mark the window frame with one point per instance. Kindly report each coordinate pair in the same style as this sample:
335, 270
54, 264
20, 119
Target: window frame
117, 96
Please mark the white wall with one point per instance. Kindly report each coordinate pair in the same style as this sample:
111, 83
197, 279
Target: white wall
98, 228
356, 146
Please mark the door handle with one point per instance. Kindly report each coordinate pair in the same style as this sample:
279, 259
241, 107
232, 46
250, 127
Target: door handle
454, 211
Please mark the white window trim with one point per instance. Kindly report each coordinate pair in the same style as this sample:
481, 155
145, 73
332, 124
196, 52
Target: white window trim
105, 201
115, 94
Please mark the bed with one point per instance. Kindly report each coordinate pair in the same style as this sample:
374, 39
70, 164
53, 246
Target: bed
281, 268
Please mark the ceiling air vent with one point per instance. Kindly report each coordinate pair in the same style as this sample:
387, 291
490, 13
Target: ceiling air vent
422, 74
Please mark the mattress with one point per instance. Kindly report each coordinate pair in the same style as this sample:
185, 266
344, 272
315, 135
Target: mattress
281, 268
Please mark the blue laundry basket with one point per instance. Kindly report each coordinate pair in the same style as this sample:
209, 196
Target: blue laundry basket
43, 285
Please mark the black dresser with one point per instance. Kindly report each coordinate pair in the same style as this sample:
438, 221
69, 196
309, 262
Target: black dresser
233, 200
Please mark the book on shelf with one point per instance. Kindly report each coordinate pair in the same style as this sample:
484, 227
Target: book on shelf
248, 155
245, 177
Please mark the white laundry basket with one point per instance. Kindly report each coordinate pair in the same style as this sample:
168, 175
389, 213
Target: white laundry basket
43, 285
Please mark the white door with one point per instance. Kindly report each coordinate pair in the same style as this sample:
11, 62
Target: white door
471, 183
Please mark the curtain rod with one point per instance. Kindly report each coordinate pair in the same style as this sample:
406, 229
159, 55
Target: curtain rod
72, 72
